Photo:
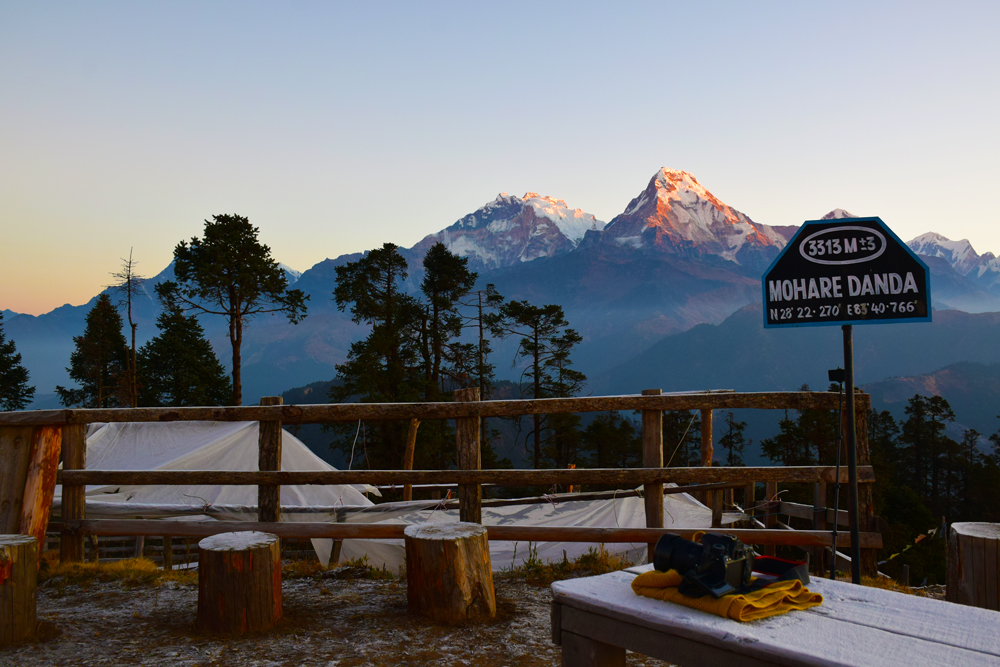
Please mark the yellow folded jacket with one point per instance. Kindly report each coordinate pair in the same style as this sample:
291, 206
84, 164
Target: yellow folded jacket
778, 598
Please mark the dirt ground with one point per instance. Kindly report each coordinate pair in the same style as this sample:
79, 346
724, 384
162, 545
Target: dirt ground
328, 622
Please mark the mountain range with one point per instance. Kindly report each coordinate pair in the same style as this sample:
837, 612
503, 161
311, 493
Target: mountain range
675, 271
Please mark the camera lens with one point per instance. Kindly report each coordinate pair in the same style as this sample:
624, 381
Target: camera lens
673, 552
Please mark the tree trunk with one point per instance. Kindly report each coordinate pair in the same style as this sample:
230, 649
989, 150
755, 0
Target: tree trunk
236, 338
239, 582
448, 572
18, 580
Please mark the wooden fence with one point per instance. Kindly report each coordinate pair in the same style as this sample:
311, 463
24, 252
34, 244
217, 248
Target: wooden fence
467, 411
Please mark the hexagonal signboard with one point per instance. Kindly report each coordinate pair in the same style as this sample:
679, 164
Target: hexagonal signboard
845, 271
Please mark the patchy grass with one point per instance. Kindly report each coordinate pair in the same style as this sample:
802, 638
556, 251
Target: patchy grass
131, 572
360, 568
597, 560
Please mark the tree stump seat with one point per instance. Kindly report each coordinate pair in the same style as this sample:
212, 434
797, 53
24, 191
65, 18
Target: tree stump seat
974, 565
239, 582
18, 585
449, 577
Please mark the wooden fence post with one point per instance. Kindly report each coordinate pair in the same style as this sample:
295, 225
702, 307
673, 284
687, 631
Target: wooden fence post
866, 502
46, 444
652, 457
411, 448
749, 500
771, 511
74, 498
469, 457
707, 452
269, 458
15, 454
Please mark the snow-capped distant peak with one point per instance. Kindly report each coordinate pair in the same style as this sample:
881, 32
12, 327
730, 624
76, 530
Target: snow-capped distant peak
291, 274
959, 254
573, 223
837, 214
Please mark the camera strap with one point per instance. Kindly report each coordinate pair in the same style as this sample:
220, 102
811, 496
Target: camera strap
770, 570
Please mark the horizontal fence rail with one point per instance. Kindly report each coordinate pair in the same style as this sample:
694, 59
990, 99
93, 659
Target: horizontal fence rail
388, 531
715, 485
348, 412
543, 477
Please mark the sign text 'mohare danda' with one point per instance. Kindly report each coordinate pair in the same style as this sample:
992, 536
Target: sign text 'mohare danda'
846, 271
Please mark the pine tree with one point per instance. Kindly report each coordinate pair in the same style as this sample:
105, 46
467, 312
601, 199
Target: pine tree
178, 367
547, 342
385, 366
447, 280
681, 438
230, 273
15, 393
732, 440
100, 361
611, 441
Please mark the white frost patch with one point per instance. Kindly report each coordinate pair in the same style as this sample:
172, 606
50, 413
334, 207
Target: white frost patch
444, 531
241, 541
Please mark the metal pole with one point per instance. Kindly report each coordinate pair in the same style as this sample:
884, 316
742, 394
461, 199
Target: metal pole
852, 454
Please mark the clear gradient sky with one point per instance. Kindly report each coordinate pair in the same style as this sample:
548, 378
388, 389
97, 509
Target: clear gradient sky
336, 127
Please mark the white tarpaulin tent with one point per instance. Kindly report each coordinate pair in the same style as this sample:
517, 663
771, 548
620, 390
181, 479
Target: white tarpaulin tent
233, 446
202, 446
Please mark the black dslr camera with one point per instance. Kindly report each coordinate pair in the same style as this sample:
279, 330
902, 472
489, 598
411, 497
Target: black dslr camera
720, 565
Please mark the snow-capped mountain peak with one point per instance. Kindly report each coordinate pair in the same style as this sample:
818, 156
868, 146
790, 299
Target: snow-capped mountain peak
960, 254
837, 214
677, 213
513, 229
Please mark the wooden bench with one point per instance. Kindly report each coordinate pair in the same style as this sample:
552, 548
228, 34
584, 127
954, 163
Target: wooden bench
595, 619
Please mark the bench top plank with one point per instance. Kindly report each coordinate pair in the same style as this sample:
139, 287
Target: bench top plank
854, 625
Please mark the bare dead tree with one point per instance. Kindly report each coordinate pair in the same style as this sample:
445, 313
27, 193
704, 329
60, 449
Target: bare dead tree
128, 284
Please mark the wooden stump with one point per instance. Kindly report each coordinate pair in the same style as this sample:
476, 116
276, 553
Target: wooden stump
974, 565
448, 572
18, 580
239, 582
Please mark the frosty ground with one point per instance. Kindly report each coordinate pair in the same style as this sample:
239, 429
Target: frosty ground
342, 622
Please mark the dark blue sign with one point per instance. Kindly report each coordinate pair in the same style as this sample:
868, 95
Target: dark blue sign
846, 271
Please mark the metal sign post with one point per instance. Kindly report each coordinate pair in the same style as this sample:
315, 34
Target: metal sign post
841, 273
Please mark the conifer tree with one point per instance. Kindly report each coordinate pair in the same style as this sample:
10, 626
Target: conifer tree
681, 438
178, 367
384, 367
230, 273
547, 342
611, 441
15, 392
732, 440
99, 362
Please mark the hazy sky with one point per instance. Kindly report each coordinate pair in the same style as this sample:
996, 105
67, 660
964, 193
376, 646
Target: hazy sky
336, 127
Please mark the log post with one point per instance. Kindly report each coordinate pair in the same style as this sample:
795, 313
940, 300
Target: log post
716, 497
749, 500
411, 448
239, 582
819, 523
18, 581
866, 500
74, 498
470, 496
707, 449
168, 553
652, 457
46, 444
974, 565
269, 458
771, 511
449, 577
15, 455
